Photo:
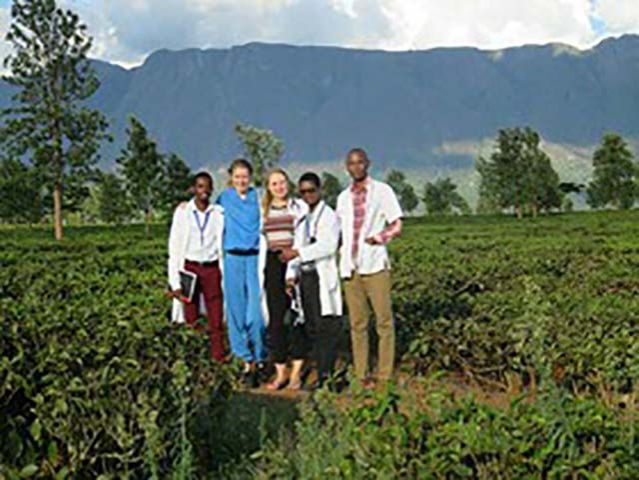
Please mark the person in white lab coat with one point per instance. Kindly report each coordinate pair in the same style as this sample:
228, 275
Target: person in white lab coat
195, 245
312, 268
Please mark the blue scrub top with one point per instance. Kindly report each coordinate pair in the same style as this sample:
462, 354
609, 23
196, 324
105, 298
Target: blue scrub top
241, 220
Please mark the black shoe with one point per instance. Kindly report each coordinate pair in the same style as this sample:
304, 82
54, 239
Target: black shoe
263, 372
249, 379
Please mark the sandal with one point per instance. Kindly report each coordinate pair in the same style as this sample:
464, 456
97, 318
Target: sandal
276, 385
295, 385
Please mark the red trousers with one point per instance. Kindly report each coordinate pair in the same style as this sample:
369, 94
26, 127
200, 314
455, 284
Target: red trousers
209, 284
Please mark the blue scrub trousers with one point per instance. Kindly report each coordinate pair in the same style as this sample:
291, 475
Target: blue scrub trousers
243, 309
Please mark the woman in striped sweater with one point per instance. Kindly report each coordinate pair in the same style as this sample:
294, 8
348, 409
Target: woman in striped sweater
280, 215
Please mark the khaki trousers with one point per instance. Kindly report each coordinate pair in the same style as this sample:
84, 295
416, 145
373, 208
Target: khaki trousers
359, 291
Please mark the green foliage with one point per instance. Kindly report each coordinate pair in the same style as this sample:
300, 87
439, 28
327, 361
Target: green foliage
442, 198
94, 380
100, 384
615, 175
571, 187
518, 175
49, 119
141, 166
262, 148
178, 179
441, 437
502, 302
404, 190
567, 205
154, 182
20, 193
113, 204
485, 300
331, 188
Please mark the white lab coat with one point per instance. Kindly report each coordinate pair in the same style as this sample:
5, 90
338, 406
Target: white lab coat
178, 241
299, 209
324, 253
382, 208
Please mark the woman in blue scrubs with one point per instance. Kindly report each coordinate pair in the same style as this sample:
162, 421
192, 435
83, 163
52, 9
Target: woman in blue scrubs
242, 290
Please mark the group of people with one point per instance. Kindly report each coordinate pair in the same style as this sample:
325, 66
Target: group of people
276, 265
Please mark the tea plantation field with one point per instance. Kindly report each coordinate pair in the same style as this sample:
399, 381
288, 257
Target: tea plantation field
95, 383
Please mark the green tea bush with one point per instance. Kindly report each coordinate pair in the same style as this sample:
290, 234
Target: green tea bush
491, 298
94, 381
556, 437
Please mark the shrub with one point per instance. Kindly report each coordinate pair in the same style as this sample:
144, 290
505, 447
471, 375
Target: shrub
93, 378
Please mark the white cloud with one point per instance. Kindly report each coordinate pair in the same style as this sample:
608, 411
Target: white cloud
487, 23
5, 20
126, 31
619, 16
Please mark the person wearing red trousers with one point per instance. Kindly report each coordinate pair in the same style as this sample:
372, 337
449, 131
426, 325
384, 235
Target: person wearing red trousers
195, 245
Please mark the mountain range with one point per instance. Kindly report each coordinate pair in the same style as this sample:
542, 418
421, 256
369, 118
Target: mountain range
430, 110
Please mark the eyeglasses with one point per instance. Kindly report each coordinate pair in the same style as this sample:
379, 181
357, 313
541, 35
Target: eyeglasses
306, 191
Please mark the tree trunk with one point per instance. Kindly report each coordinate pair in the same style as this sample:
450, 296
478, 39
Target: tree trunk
518, 211
57, 211
147, 223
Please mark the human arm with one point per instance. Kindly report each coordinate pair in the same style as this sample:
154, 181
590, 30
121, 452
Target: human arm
392, 212
176, 241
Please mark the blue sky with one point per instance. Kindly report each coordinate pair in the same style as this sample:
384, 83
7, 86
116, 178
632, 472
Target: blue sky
126, 31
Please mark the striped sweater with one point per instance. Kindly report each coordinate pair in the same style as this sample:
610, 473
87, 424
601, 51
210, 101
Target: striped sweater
279, 228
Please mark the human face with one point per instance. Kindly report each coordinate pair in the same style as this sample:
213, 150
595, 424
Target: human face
240, 180
310, 193
203, 189
278, 186
357, 166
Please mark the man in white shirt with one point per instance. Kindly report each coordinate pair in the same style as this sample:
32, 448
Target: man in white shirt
370, 216
195, 245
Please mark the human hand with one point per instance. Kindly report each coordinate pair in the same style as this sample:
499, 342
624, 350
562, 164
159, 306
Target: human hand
288, 254
177, 293
290, 286
373, 240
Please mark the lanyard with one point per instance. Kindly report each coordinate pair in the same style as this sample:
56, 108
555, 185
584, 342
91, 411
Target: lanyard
200, 227
308, 227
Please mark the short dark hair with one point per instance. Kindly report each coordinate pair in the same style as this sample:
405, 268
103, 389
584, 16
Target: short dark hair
241, 163
311, 177
206, 175
358, 151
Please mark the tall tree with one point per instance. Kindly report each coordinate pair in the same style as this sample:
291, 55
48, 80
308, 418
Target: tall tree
404, 190
331, 188
441, 198
142, 168
20, 193
262, 148
49, 118
615, 175
177, 182
518, 174
113, 204
543, 184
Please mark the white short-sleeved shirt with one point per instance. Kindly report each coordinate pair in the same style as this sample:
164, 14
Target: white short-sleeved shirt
202, 241
382, 209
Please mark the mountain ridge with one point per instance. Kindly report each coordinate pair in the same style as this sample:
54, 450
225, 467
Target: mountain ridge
405, 107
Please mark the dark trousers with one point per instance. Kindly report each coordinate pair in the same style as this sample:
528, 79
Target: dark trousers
209, 285
279, 304
324, 330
